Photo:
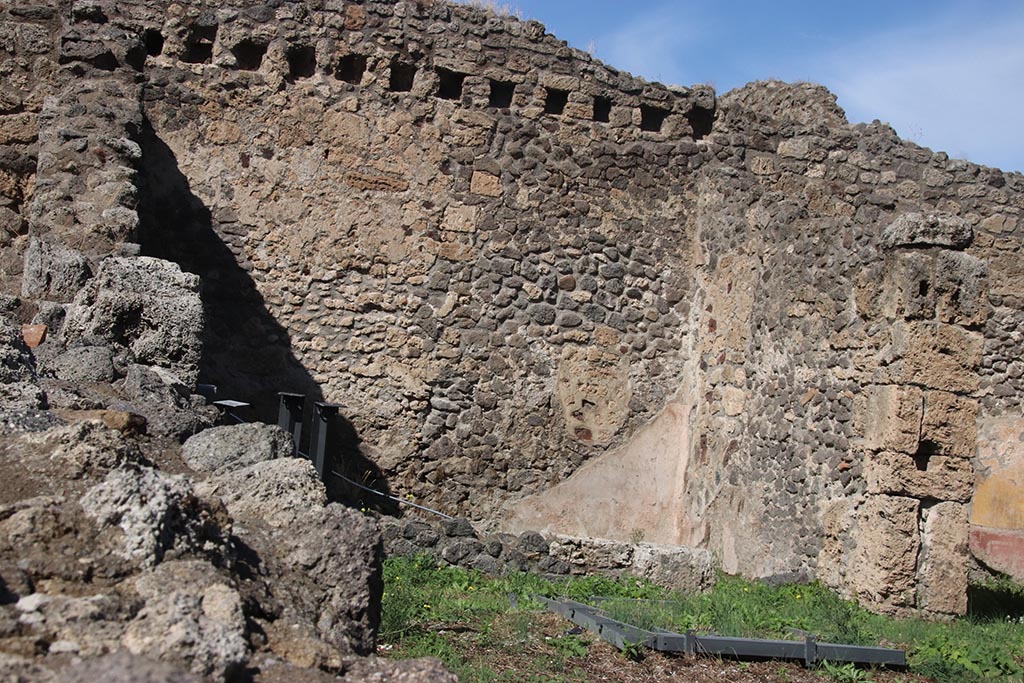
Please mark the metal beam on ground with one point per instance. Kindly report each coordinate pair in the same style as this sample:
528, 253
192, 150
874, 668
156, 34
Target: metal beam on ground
809, 650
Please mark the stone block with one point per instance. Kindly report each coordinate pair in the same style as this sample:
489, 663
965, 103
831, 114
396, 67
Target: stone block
233, 447
485, 184
927, 230
592, 554
943, 477
942, 574
685, 569
907, 288
594, 391
146, 305
460, 219
950, 423
53, 271
883, 570
889, 417
961, 289
938, 356
18, 128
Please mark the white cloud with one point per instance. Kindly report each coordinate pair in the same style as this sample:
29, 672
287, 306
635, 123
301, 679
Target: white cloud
653, 44
955, 84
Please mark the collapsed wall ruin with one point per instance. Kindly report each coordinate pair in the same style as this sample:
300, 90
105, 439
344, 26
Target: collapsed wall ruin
548, 295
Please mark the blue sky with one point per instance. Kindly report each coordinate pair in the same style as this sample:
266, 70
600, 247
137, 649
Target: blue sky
946, 74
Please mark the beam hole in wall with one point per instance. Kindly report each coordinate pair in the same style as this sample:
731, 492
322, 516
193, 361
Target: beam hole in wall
249, 54
351, 69
449, 84
501, 94
701, 121
301, 61
925, 451
402, 76
652, 118
555, 101
199, 45
153, 40
602, 109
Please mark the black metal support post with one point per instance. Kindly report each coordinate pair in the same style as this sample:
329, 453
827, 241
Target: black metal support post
322, 413
289, 416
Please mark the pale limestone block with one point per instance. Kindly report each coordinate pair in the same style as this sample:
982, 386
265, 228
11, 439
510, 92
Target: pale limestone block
883, 570
889, 417
942, 574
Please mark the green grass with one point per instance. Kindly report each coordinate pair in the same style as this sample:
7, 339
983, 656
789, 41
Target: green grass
466, 619
985, 646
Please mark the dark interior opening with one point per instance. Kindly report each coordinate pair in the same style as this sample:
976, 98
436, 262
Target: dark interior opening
249, 54
701, 120
923, 287
154, 42
652, 118
924, 453
402, 76
351, 68
449, 84
555, 101
199, 45
602, 109
301, 61
501, 94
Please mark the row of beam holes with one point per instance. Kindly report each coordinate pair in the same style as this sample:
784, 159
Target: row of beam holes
302, 64
450, 88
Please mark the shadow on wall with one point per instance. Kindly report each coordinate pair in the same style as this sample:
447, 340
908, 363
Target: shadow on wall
246, 353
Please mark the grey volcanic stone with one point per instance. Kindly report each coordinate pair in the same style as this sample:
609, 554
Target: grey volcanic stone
232, 447
193, 618
460, 527
53, 271
20, 396
84, 364
543, 314
146, 305
275, 491
156, 512
16, 363
124, 667
330, 575
169, 408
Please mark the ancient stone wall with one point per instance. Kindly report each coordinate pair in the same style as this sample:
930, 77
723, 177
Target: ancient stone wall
549, 295
28, 57
482, 275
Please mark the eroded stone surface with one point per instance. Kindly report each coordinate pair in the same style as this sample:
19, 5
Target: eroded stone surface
232, 447
146, 305
882, 570
944, 559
